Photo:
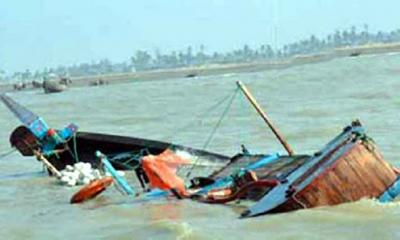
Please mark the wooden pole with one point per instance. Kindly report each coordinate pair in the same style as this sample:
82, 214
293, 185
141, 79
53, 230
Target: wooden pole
264, 116
39, 156
47, 163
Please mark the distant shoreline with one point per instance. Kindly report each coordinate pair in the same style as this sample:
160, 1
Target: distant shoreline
218, 69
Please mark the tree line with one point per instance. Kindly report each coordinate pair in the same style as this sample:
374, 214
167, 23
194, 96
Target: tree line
142, 60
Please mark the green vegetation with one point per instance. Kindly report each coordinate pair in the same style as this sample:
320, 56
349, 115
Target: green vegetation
142, 60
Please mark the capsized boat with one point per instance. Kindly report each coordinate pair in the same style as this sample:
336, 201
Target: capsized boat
348, 168
68, 146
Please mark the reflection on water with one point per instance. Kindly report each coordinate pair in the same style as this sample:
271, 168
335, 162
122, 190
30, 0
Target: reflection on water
310, 104
168, 211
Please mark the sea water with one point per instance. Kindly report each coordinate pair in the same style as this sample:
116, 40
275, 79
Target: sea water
310, 104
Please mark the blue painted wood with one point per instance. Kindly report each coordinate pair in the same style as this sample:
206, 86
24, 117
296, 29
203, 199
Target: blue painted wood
220, 183
119, 179
227, 181
153, 195
391, 193
39, 128
68, 131
36, 124
277, 195
21, 112
156, 194
267, 160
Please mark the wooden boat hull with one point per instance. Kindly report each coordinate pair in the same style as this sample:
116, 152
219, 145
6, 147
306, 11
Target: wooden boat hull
347, 169
83, 146
53, 86
361, 172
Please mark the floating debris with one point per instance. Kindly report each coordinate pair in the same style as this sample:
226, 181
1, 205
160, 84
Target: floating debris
349, 168
79, 174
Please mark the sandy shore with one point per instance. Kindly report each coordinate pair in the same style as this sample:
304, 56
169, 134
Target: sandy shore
216, 69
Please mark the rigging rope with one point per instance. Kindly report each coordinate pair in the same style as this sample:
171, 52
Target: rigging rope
76, 157
224, 113
133, 157
207, 112
214, 130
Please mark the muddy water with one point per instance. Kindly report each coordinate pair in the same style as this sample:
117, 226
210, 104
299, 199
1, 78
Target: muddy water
310, 104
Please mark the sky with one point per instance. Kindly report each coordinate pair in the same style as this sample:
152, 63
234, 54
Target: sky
39, 33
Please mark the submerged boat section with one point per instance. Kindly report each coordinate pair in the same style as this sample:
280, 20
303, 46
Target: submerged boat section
347, 169
350, 167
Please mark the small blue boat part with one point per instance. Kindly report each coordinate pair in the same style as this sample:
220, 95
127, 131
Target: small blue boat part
391, 193
229, 180
121, 181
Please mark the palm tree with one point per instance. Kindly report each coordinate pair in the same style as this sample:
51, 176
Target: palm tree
353, 35
365, 36
337, 39
201, 57
142, 60
345, 38
189, 56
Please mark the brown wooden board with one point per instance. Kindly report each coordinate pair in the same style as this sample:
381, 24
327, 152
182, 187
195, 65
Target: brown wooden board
359, 173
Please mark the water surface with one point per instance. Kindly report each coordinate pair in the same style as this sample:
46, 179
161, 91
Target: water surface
310, 104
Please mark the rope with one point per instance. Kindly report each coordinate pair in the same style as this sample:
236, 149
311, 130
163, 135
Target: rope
208, 111
224, 113
127, 166
246, 132
210, 137
243, 103
126, 163
6, 154
76, 157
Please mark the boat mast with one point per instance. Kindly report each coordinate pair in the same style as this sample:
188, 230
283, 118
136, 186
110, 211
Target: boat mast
264, 116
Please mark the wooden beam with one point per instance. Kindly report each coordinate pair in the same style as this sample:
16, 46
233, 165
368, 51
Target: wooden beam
264, 116
46, 162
